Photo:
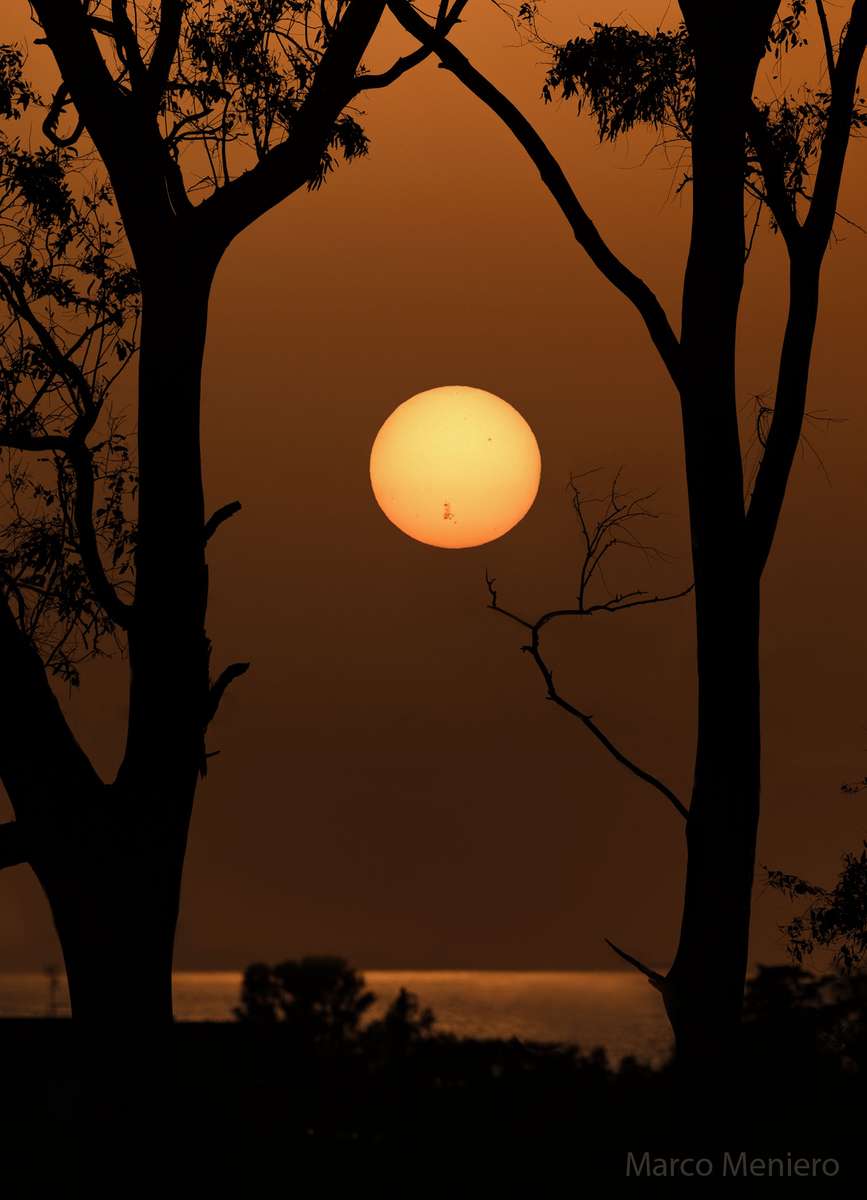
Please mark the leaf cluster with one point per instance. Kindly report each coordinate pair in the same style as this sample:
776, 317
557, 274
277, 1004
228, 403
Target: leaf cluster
69, 309
836, 917
243, 72
626, 77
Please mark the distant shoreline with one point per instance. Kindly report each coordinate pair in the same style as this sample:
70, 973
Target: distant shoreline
614, 1009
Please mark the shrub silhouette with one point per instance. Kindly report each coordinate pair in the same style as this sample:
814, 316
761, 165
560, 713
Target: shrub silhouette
404, 1023
322, 1001
321, 998
797, 1023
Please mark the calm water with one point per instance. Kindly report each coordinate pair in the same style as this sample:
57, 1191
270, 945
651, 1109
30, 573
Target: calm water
613, 1009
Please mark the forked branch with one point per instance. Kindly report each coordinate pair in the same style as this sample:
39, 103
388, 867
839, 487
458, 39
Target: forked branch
610, 529
446, 20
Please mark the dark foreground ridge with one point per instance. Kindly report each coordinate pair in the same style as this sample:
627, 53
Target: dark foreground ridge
311, 1083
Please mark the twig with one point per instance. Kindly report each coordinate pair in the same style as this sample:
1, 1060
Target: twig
598, 538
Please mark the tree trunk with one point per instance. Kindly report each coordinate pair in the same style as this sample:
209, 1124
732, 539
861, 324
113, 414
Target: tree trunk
114, 884
115, 903
704, 988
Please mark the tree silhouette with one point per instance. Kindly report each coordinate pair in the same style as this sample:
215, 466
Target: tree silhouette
321, 1001
203, 118
697, 84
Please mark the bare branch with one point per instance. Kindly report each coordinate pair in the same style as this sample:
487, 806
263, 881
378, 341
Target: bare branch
81, 461
826, 37
366, 83
844, 84
654, 977
218, 688
219, 517
585, 232
12, 851
619, 510
618, 603
445, 22
58, 106
52, 443
588, 722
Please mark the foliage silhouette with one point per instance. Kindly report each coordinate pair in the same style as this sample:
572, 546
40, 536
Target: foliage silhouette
835, 918
321, 1001
322, 998
71, 306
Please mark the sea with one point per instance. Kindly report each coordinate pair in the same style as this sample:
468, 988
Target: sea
616, 1010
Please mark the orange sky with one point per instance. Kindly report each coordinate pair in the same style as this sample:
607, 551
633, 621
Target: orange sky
392, 785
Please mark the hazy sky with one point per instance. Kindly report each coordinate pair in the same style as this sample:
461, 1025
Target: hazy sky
392, 785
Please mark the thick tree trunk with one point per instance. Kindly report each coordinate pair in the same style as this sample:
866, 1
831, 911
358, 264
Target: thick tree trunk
114, 886
115, 903
704, 988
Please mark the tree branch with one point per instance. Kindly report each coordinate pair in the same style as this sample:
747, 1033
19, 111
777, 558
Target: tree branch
776, 195
80, 459
73, 445
70, 35
826, 37
533, 648
654, 977
123, 128
118, 610
223, 514
806, 258
585, 232
164, 51
14, 294
12, 851
56, 109
128, 49
844, 84
366, 83
222, 682
790, 400
42, 765
293, 163
445, 22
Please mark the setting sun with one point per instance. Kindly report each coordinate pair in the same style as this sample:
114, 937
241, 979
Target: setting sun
455, 467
